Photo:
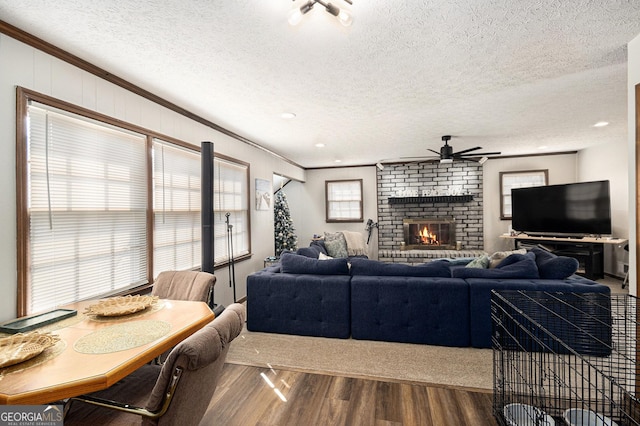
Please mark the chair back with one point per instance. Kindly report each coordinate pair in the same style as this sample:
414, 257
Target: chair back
184, 285
201, 357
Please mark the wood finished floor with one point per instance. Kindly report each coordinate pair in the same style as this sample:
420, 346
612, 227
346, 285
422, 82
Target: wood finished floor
245, 398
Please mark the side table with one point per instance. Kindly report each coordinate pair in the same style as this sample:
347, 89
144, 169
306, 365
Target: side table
271, 260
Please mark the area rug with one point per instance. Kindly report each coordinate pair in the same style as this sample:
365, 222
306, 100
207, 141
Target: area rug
468, 368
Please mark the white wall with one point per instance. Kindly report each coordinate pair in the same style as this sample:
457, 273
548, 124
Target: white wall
30, 68
633, 53
603, 162
307, 204
562, 169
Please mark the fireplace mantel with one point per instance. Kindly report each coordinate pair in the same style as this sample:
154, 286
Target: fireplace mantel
431, 199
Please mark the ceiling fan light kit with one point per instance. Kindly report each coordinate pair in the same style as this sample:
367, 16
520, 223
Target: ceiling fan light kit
343, 16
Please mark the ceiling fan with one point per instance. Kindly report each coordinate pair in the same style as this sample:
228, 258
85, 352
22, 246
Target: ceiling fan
448, 156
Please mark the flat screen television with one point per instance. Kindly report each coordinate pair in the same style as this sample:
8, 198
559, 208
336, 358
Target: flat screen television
570, 210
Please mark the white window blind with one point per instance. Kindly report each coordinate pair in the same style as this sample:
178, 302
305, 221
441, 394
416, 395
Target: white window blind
87, 202
230, 196
344, 200
176, 207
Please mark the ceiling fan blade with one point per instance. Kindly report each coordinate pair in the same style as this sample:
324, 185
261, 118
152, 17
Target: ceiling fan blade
477, 154
435, 152
467, 150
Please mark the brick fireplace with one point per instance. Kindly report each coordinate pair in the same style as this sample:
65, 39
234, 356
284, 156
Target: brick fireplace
412, 192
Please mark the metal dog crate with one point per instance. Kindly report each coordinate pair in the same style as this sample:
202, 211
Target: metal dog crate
564, 358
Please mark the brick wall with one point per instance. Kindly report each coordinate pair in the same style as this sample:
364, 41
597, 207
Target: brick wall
461, 177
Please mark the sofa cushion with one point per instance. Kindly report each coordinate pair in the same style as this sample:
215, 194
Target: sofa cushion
513, 266
437, 268
552, 267
336, 244
292, 263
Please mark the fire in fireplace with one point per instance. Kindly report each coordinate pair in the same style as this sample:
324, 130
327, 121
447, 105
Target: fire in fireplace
429, 233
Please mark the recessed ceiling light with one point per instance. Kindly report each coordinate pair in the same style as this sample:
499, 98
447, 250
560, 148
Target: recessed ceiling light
338, 161
288, 115
543, 147
319, 145
601, 124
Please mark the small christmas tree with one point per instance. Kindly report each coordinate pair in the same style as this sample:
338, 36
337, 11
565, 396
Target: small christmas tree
285, 238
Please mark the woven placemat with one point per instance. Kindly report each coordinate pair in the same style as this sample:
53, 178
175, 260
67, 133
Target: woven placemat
121, 337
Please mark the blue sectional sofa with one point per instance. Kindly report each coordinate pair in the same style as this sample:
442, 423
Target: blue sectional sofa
438, 303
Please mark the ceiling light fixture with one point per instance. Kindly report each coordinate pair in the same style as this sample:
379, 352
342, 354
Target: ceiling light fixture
288, 115
343, 16
601, 124
319, 145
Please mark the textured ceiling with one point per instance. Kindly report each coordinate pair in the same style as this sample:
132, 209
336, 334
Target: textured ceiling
506, 75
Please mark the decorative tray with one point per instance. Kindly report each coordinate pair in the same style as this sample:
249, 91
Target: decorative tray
121, 305
21, 347
21, 325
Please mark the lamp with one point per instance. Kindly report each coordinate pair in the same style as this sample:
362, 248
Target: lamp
343, 16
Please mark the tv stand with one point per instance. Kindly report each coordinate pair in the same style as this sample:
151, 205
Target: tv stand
589, 251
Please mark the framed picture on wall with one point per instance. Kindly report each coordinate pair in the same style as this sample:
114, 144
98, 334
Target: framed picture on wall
263, 194
521, 179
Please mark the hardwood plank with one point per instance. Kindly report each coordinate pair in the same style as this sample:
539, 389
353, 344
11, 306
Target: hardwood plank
416, 408
244, 398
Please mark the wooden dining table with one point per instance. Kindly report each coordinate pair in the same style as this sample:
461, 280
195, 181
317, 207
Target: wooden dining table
94, 352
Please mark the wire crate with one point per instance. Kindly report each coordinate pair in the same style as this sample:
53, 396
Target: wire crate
564, 358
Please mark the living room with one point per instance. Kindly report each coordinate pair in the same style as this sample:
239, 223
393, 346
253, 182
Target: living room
48, 72
77, 82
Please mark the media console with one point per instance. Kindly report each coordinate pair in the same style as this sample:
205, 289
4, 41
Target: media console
589, 251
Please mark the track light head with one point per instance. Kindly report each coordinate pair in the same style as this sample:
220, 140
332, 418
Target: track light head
344, 17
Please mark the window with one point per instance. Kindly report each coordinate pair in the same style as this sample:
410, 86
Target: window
512, 180
105, 206
231, 189
87, 208
176, 207
343, 200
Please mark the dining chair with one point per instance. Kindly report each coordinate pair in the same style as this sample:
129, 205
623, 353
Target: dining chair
178, 392
184, 285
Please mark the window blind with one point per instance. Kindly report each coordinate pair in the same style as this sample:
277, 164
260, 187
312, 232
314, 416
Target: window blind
230, 196
176, 206
87, 208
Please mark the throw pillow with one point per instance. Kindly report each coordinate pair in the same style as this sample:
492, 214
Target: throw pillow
513, 266
436, 268
323, 256
552, 267
499, 256
479, 262
311, 251
336, 244
291, 263
319, 244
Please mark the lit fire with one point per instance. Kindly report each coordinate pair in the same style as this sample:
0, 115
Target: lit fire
426, 237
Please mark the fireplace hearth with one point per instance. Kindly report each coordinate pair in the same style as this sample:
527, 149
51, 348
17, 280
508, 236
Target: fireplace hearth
429, 234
